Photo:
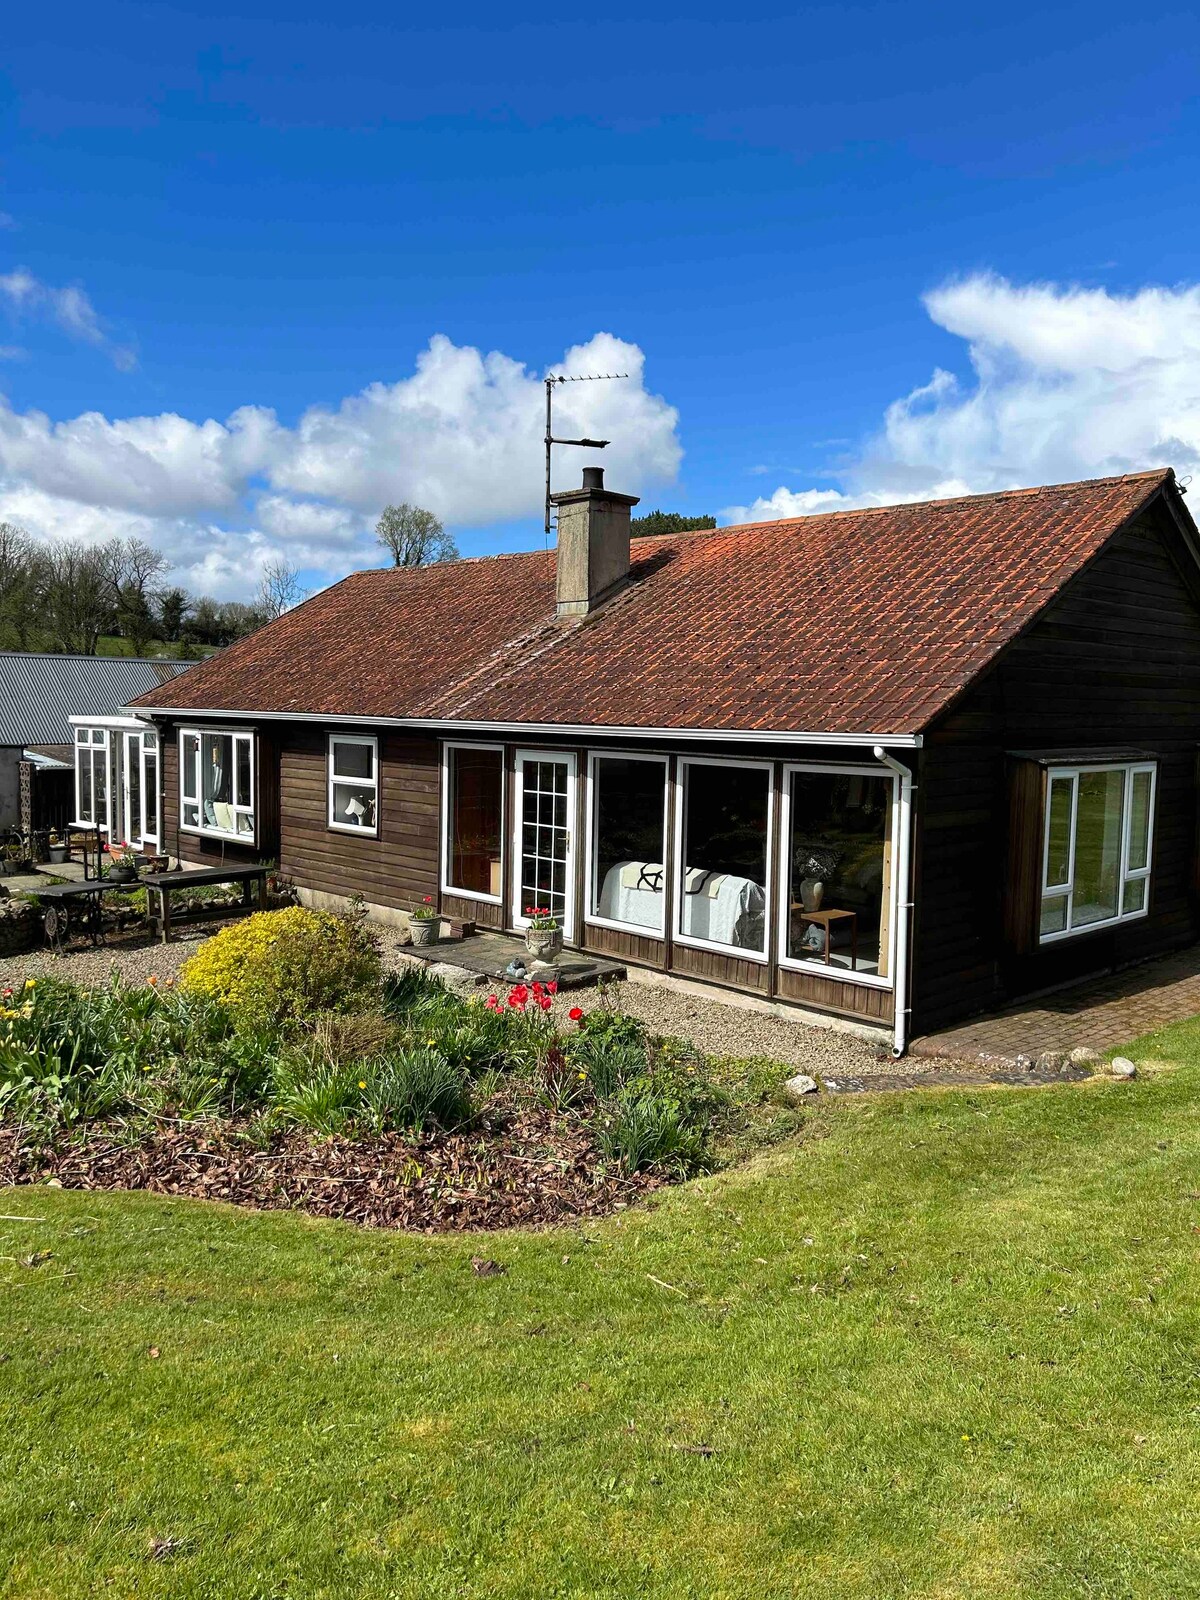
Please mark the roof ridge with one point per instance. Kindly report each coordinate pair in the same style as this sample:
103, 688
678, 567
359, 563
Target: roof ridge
1150, 473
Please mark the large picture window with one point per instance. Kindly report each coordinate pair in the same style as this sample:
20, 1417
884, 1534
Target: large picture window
216, 783
627, 840
723, 877
473, 824
838, 831
1097, 847
353, 783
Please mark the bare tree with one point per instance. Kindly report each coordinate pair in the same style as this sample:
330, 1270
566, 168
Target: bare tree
79, 604
279, 590
415, 538
22, 587
132, 567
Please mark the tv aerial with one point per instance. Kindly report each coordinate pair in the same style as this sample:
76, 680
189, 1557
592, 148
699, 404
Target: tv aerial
591, 444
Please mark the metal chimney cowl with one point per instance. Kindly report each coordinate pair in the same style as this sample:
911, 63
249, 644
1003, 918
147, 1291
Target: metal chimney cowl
593, 544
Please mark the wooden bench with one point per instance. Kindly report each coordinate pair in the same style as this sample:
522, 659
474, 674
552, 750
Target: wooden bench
165, 884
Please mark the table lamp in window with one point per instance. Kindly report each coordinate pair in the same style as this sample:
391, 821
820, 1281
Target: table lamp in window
355, 809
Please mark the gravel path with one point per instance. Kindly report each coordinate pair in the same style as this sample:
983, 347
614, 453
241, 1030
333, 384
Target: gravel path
714, 1026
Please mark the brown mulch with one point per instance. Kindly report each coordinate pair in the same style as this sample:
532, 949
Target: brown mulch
529, 1170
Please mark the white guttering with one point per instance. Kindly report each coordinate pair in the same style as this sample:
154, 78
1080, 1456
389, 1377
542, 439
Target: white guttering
904, 899
525, 730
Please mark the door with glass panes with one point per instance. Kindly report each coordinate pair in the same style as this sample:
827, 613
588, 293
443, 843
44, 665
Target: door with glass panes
544, 838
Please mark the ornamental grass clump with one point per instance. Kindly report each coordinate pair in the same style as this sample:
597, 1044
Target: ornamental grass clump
284, 966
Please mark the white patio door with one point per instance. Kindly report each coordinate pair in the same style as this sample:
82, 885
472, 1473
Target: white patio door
131, 788
544, 838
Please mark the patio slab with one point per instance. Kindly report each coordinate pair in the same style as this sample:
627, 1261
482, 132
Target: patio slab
488, 954
1101, 1013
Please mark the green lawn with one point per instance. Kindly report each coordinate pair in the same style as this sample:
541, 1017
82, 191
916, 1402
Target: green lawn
941, 1344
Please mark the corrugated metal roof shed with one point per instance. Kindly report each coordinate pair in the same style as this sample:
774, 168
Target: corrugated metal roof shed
38, 693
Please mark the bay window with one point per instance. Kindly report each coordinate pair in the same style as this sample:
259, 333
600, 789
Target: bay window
627, 841
473, 820
1097, 847
838, 830
721, 887
216, 783
353, 783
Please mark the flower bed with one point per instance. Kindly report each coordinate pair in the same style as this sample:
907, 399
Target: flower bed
284, 1069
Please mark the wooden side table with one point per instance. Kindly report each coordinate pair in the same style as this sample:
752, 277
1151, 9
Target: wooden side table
826, 919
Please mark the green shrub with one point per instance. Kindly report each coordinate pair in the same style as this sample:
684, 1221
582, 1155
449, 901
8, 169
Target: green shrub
413, 1088
319, 1094
643, 1130
286, 965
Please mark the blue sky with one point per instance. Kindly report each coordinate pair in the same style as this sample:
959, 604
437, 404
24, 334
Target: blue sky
212, 214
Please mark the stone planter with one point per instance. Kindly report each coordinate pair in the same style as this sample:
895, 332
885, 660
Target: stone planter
544, 944
58, 854
120, 872
424, 930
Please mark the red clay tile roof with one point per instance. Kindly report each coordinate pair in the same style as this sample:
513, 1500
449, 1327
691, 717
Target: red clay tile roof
854, 622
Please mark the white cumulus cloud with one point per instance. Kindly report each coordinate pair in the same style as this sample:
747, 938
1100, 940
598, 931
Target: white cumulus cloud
461, 435
1067, 383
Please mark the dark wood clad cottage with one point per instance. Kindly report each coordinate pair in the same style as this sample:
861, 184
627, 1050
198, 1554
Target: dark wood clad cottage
893, 765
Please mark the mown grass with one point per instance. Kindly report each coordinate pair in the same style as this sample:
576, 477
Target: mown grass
938, 1344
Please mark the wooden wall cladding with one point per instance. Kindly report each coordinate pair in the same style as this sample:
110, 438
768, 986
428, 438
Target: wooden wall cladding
860, 1001
395, 868
640, 948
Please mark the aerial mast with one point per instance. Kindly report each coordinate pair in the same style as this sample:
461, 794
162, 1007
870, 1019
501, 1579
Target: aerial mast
592, 444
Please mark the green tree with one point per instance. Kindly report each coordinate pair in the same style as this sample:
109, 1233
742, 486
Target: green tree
657, 522
413, 537
174, 607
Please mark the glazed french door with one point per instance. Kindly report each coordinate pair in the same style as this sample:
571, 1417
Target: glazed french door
544, 838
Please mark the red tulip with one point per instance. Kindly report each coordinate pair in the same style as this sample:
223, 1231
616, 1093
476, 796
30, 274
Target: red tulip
575, 1014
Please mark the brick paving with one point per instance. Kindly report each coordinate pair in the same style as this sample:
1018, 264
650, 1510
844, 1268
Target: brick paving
1102, 1013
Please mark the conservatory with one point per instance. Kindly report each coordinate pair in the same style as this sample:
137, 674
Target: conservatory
117, 779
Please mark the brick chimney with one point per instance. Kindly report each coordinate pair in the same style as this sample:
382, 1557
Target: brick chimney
593, 544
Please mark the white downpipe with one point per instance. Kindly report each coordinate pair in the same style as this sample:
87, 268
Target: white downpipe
904, 904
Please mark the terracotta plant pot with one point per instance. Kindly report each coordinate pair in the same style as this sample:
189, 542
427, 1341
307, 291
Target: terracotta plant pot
543, 944
425, 930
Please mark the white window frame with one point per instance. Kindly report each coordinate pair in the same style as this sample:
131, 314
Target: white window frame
91, 745
1125, 875
680, 852
447, 887
203, 829
571, 759
591, 866
868, 980
370, 742
150, 792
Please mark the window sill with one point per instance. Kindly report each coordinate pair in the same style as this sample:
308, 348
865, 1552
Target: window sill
345, 827
638, 928
473, 894
1093, 927
736, 951
217, 833
818, 969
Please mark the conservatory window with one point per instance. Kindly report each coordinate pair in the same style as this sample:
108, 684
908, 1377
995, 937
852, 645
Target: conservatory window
838, 831
473, 785
216, 783
353, 783
627, 838
91, 776
1097, 847
724, 816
